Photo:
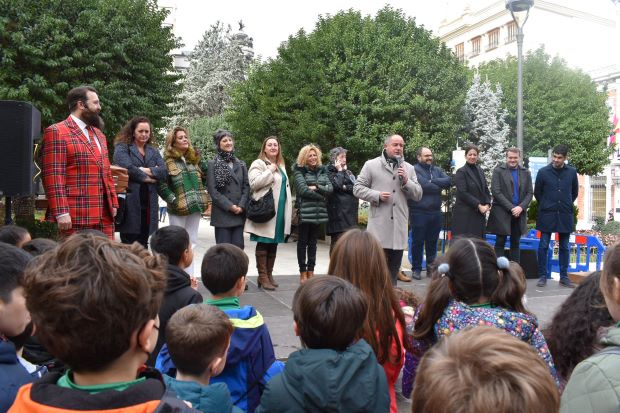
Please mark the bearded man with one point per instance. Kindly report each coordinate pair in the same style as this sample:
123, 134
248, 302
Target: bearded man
76, 169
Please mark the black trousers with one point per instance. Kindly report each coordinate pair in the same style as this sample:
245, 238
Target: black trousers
143, 236
230, 235
515, 239
308, 234
394, 261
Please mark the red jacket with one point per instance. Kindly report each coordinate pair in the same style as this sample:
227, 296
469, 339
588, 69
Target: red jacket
76, 181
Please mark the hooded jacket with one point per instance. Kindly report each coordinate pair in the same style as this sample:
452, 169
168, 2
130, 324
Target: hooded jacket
457, 316
214, 398
147, 396
325, 380
179, 294
594, 385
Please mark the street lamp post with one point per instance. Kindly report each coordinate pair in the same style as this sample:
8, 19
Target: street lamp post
520, 11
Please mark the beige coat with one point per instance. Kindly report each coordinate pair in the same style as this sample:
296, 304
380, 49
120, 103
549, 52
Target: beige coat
261, 179
387, 220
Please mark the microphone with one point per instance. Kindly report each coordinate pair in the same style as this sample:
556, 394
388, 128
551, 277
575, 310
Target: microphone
399, 161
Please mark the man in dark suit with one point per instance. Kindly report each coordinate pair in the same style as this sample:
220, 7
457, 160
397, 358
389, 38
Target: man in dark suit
512, 191
76, 169
556, 190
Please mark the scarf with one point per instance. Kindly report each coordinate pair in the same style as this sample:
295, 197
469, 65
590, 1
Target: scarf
221, 169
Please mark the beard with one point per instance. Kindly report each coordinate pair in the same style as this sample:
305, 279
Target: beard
92, 118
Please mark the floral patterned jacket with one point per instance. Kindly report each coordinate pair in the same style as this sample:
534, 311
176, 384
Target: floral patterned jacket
457, 316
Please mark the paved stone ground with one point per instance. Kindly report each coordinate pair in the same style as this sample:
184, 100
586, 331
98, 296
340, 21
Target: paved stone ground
275, 306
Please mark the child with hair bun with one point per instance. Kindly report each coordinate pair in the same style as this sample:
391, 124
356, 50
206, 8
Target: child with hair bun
474, 287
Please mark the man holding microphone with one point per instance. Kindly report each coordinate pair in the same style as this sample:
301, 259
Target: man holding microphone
387, 182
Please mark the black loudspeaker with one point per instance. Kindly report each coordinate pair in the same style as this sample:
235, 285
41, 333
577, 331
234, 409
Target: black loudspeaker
529, 263
20, 127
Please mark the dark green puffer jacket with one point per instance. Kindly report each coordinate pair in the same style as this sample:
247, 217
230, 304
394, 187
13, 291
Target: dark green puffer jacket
312, 204
328, 381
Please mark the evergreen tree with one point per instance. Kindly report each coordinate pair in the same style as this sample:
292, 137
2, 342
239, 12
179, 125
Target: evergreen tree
486, 123
220, 59
350, 82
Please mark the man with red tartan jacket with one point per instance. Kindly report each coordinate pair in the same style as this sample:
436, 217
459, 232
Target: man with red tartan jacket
76, 169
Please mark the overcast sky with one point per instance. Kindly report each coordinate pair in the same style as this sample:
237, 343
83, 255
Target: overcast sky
270, 22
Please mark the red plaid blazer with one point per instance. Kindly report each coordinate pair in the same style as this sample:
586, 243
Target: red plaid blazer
76, 181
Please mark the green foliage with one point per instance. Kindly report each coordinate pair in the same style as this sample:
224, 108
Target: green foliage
39, 228
201, 133
599, 223
560, 105
118, 46
349, 83
611, 228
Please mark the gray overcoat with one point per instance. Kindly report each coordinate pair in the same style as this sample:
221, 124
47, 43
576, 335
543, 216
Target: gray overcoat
387, 220
129, 157
236, 192
501, 189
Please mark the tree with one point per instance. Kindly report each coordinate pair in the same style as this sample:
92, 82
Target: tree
118, 46
560, 105
219, 60
486, 125
349, 83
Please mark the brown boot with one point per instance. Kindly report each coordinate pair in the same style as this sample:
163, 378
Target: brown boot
271, 260
303, 276
309, 275
261, 266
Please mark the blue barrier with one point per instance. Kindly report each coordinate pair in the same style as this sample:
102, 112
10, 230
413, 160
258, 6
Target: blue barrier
580, 246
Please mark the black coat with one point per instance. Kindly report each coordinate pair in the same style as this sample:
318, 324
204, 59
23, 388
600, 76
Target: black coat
556, 190
129, 157
342, 205
179, 294
466, 218
236, 192
501, 188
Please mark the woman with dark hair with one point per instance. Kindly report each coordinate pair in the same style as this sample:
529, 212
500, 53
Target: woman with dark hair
473, 199
577, 326
269, 172
313, 188
134, 150
227, 183
359, 258
342, 205
184, 190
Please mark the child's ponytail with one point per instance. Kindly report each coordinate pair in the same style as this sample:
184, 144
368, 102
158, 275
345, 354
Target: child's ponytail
437, 298
510, 287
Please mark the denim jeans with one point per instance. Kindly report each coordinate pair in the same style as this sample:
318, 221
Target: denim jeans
425, 228
543, 253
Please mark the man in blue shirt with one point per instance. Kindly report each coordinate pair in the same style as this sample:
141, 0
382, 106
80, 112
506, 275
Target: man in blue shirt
425, 214
511, 187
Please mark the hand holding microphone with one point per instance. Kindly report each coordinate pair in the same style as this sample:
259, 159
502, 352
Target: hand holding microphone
402, 174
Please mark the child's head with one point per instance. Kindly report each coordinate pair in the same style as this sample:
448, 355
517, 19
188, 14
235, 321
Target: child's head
38, 246
481, 369
610, 281
173, 243
358, 257
198, 338
14, 316
92, 300
224, 267
329, 313
573, 333
14, 235
471, 273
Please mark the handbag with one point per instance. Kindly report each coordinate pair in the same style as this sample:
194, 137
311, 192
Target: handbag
263, 209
